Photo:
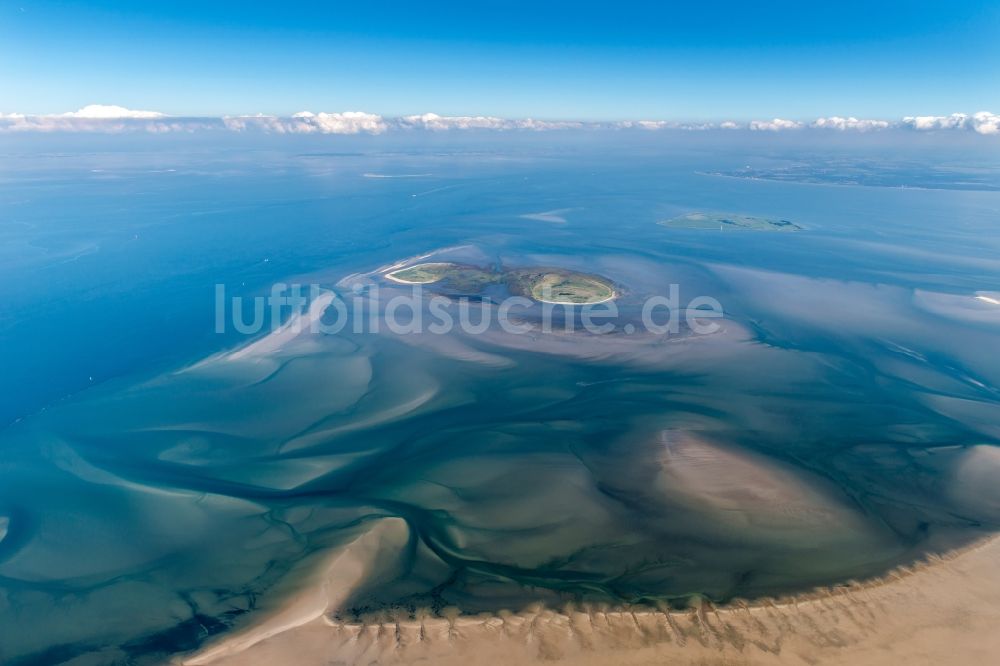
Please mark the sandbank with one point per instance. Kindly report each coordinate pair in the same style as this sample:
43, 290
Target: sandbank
943, 610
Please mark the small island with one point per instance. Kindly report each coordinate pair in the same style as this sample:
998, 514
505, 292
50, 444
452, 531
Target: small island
554, 285
460, 278
543, 284
727, 221
423, 273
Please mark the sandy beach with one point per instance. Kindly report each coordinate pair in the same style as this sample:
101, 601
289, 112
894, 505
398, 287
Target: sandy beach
944, 610
391, 275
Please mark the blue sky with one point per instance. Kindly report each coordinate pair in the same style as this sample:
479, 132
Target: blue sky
600, 61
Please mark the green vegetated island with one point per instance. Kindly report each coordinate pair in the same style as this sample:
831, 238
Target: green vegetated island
547, 285
726, 221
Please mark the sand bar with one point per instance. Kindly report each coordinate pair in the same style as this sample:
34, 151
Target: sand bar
943, 611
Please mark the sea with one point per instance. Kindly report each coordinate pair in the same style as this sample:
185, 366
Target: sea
168, 476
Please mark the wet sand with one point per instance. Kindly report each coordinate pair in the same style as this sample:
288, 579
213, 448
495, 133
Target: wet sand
944, 610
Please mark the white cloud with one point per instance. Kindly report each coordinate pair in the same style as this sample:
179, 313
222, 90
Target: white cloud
985, 122
982, 122
671, 125
307, 122
110, 119
100, 118
348, 122
544, 125
107, 112
437, 123
852, 123
697, 126
775, 125
954, 121
14, 123
644, 124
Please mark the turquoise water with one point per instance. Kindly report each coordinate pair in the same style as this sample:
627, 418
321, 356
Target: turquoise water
150, 498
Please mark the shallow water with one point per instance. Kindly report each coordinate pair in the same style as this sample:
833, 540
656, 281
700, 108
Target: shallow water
819, 436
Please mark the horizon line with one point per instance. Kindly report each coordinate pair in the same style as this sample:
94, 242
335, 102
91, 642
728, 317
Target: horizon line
117, 119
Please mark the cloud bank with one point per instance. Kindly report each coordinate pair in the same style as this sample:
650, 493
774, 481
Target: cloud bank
983, 122
107, 112
776, 125
307, 122
852, 123
101, 119
111, 119
436, 123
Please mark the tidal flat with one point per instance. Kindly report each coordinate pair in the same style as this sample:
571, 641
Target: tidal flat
840, 423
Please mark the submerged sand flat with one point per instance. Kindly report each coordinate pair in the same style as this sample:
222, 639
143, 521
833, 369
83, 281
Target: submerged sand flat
841, 422
361, 498
943, 611
920, 614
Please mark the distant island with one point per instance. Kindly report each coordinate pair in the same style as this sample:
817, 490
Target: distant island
543, 284
925, 174
725, 221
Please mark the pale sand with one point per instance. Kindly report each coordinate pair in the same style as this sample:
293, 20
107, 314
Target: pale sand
757, 497
556, 216
944, 611
612, 297
299, 323
327, 589
392, 275
349, 280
